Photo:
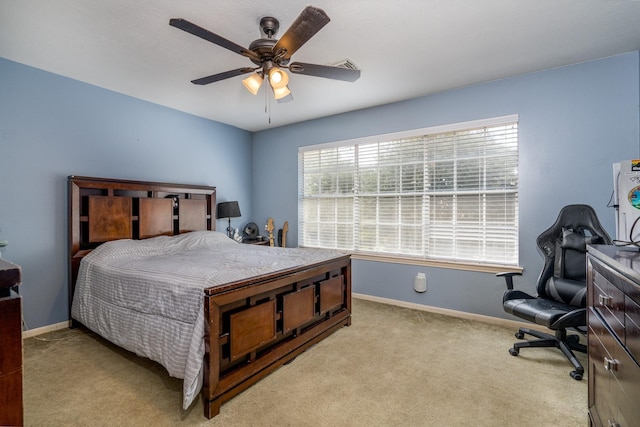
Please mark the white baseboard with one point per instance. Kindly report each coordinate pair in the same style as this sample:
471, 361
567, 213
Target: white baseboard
454, 313
44, 329
439, 310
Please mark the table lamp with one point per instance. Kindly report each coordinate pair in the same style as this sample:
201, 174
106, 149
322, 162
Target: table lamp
228, 210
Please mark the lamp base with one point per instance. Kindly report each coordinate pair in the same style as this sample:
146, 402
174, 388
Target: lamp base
230, 230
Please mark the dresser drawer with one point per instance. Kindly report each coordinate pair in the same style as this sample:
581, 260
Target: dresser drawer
613, 375
632, 328
608, 300
603, 388
613, 378
611, 352
626, 375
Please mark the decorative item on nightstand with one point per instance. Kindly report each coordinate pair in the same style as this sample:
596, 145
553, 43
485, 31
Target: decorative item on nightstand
282, 235
269, 227
228, 210
251, 232
251, 235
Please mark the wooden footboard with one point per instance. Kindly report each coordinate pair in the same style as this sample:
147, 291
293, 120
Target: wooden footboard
254, 327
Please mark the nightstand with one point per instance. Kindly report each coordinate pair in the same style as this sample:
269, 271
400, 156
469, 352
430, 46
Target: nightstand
256, 242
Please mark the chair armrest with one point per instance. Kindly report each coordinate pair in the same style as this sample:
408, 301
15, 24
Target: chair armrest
572, 319
508, 277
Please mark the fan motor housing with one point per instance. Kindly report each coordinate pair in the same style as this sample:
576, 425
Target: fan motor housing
264, 46
264, 49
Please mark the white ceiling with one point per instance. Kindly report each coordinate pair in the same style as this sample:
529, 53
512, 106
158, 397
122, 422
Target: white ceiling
405, 48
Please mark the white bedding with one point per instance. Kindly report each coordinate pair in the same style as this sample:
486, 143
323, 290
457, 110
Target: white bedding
147, 295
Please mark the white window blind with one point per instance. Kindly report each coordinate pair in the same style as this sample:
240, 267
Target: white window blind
448, 193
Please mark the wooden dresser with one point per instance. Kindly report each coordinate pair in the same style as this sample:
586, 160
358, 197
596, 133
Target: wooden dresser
613, 315
10, 345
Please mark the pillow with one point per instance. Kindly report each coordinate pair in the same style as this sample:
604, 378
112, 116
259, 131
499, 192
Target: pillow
577, 240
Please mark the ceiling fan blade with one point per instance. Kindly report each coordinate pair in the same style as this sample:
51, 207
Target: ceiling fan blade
207, 35
306, 25
326, 71
221, 76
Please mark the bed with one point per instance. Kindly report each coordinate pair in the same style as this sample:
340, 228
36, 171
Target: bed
149, 272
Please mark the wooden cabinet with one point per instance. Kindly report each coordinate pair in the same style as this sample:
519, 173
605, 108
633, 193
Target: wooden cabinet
10, 346
613, 287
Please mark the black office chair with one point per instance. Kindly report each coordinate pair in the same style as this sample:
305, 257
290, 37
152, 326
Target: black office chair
561, 288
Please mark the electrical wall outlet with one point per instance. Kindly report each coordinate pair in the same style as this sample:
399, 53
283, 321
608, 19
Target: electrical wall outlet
420, 283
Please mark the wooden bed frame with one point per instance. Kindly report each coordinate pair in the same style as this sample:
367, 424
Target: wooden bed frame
252, 327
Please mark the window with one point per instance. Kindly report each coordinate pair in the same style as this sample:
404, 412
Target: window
444, 193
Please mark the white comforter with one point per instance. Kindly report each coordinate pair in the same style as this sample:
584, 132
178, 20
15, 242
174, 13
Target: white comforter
147, 295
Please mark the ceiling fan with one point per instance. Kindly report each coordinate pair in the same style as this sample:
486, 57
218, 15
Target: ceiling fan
270, 55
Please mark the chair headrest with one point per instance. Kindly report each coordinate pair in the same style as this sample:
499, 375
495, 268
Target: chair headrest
577, 240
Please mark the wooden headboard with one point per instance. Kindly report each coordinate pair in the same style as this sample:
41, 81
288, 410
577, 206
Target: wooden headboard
103, 209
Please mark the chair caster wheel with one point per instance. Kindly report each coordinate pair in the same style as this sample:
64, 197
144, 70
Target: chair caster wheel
519, 335
576, 375
514, 351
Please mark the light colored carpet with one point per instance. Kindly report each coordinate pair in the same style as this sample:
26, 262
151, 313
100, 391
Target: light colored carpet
392, 367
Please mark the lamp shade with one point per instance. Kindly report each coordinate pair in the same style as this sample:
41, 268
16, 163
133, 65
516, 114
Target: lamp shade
280, 93
253, 83
278, 78
228, 210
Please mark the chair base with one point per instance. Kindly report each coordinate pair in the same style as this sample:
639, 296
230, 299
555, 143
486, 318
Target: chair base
561, 340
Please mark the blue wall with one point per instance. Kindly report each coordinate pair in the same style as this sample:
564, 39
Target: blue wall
52, 127
574, 123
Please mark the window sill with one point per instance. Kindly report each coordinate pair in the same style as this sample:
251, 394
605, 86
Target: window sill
454, 265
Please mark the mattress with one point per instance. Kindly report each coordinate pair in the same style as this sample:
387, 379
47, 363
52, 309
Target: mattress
147, 295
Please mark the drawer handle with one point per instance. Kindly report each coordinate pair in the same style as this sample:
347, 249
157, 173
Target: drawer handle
604, 300
611, 364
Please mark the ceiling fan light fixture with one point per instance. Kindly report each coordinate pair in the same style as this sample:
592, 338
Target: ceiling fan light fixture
278, 78
253, 83
281, 92
271, 55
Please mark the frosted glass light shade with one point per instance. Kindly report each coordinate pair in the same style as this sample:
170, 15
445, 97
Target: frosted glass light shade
253, 83
281, 92
278, 78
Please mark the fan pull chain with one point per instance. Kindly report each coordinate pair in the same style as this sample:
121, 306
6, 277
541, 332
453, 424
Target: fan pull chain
267, 100
266, 97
